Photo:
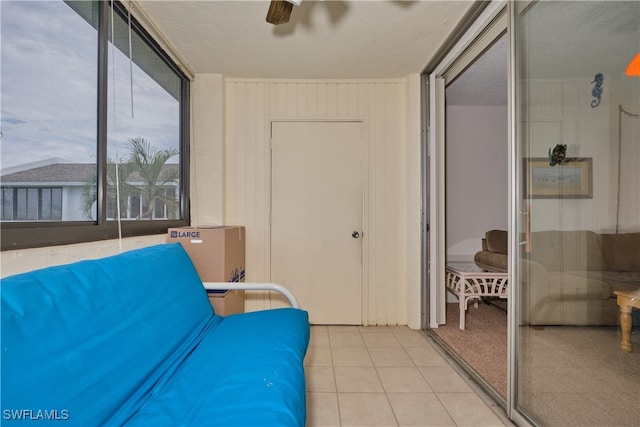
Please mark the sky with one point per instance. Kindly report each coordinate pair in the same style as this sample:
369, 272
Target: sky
48, 75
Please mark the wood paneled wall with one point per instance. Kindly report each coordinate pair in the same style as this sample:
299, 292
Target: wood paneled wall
250, 107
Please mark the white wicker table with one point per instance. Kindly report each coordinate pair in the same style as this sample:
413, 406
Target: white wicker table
469, 282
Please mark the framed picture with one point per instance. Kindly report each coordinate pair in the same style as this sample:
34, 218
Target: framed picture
572, 180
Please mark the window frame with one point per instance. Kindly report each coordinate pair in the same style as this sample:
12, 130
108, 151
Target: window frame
16, 205
25, 234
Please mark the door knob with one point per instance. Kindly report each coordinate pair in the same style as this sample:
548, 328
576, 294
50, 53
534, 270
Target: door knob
355, 234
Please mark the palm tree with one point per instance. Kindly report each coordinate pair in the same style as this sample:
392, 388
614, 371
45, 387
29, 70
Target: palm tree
150, 162
145, 165
90, 192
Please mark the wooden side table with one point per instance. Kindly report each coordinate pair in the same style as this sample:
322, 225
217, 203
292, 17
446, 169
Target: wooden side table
469, 282
627, 300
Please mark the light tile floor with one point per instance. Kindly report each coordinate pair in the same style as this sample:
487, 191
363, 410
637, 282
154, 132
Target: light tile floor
387, 376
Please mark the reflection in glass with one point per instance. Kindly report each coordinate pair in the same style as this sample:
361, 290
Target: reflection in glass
143, 131
48, 111
581, 252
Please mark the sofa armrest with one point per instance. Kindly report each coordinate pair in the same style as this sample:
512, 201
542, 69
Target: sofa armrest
536, 270
253, 286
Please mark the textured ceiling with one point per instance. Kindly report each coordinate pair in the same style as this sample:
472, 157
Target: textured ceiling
564, 40
324, 39
485, 82
386, 39
579, 39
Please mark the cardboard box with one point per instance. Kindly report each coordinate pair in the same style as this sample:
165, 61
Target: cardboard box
228, 302
218, 255
216, 252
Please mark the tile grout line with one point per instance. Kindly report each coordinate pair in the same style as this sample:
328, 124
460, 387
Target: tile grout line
431, 387
386, 396
335, 380
473, 386
404, 342
427, 382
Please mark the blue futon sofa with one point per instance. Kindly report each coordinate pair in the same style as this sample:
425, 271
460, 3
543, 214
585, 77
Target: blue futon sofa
132, 340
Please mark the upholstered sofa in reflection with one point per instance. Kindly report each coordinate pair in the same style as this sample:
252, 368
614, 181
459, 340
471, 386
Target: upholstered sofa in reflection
568, 277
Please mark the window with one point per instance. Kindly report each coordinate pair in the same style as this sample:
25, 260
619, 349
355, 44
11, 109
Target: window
93, 125
31, 204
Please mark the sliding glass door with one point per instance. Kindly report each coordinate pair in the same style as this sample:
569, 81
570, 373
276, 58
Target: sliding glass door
575, 241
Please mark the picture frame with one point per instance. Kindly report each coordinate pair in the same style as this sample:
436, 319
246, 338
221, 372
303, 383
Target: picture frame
573, 179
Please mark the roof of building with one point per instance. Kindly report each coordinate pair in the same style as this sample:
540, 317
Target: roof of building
62, 173
59, 172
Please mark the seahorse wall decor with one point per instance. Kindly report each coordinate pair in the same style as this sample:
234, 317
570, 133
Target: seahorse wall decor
596, 92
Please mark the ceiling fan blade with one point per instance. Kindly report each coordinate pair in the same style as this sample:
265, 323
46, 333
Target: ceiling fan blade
279, 12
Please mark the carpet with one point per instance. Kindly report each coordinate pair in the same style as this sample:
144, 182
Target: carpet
483, 343
567, 375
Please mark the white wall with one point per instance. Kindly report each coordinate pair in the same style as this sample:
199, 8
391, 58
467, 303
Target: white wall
252, 104
207, 162
230, 180
72, 203
413, 173
21, 261
561, 112
476, 177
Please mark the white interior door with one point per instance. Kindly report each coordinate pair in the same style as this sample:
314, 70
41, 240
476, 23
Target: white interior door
316, 217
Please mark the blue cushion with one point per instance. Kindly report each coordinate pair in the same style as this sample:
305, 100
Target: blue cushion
247, 371
93, 338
